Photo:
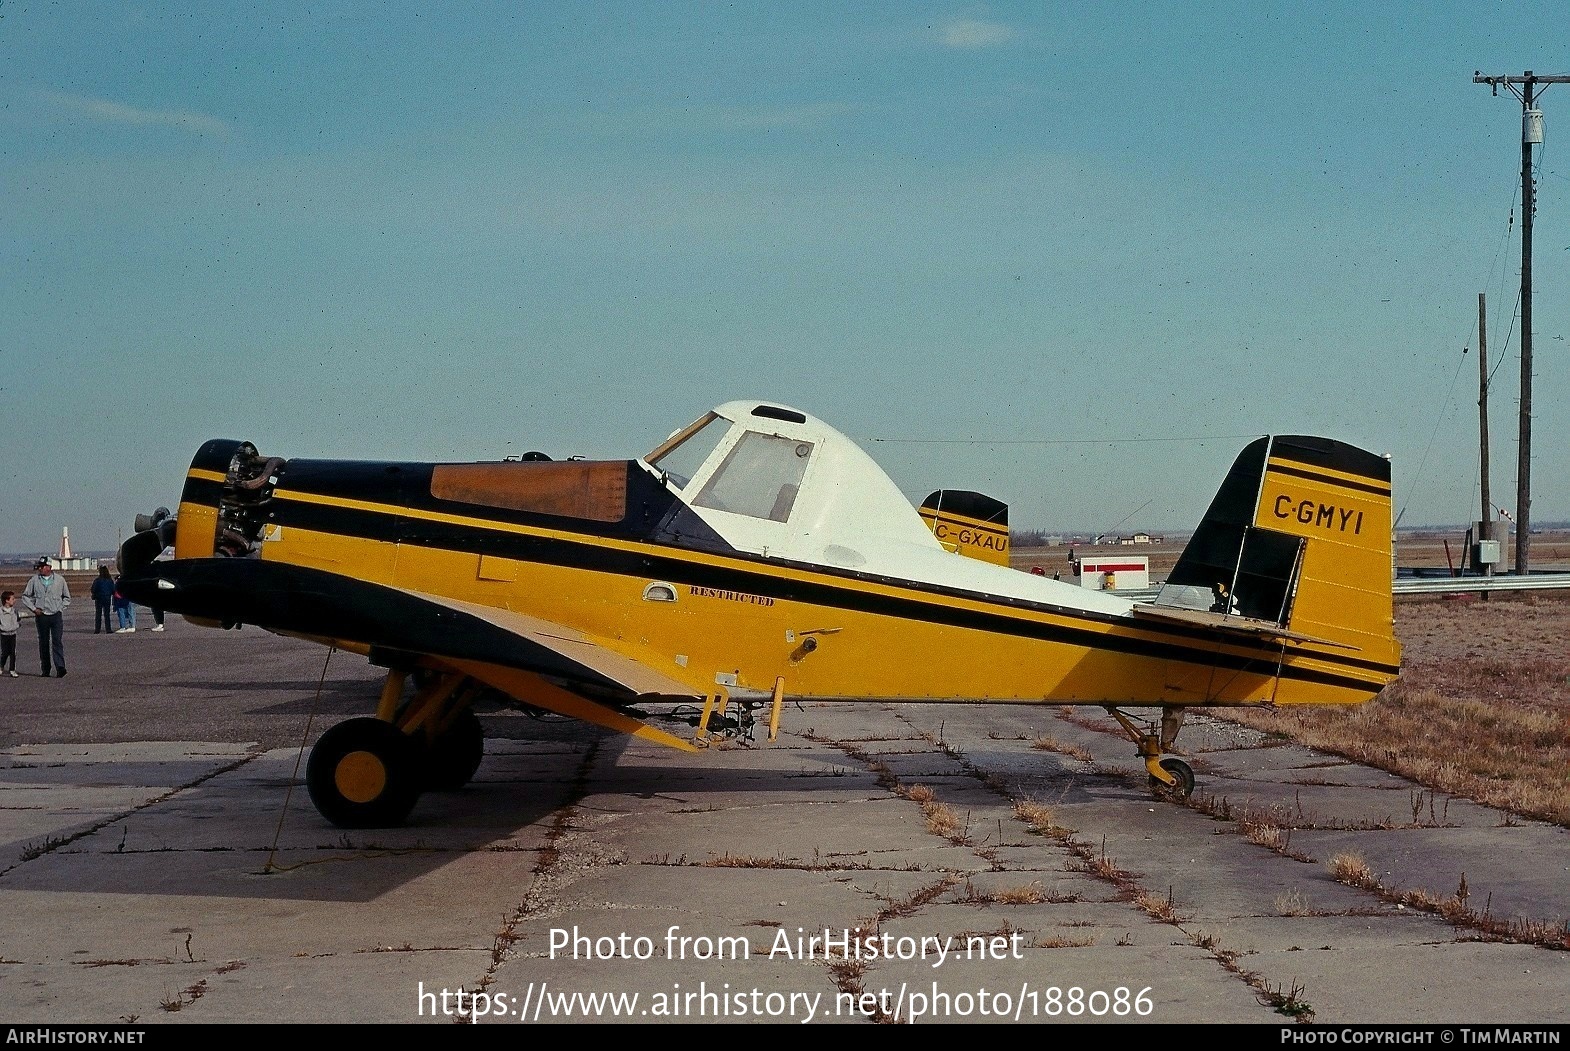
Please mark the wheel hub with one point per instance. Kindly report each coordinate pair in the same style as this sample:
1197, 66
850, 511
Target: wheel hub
360, 777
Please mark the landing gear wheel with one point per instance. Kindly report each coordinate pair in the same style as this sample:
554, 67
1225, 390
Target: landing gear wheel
451, 760
362, 774
1185, 779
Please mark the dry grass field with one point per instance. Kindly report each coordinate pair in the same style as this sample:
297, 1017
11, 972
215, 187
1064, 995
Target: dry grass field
1482, 708
14, 578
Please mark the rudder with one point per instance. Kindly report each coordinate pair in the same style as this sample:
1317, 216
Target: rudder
1298, 534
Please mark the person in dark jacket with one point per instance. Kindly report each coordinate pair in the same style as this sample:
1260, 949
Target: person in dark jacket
103, 601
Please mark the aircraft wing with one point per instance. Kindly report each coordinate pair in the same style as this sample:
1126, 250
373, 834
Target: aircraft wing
296, 600
1229, 623
589, 656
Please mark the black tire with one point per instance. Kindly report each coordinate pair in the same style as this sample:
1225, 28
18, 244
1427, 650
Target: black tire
1185, 779
362, 774
451, 760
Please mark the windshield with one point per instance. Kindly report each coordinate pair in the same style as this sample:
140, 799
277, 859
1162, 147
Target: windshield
680, 455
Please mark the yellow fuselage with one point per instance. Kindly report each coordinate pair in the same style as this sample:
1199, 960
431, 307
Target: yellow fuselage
735, 624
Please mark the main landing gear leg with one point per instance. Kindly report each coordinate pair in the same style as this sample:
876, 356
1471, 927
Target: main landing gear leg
369, 773
1169, 775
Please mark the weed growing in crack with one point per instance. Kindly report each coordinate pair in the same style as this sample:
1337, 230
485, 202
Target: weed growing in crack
1024, 894
37, 850
1287, 1002
918, 899
1048, 743
1163, 909
189, 995
1063, 942
1039, 818
1350, 868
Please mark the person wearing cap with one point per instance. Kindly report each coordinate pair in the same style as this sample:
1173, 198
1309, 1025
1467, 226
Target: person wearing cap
48, 596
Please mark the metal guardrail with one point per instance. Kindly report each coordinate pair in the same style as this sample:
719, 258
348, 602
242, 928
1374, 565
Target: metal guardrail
1504, 582
1428, 585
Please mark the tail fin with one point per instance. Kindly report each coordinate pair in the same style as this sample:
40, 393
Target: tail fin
1298, 534
969, 523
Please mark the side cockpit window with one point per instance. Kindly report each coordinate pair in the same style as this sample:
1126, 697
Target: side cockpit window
760, 477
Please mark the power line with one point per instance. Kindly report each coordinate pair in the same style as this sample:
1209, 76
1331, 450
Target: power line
1061, 441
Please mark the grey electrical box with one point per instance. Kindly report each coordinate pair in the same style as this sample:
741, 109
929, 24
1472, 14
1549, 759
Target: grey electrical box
1485, 553
1532, 127
1497, 530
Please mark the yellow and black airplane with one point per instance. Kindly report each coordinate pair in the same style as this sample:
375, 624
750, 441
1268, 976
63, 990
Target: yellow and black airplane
756, 556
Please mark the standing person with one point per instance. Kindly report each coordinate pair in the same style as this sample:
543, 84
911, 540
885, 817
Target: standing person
125, 611
103, 596
158, 619
10, 621
47, 597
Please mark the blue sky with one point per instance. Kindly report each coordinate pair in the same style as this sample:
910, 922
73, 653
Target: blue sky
994, 242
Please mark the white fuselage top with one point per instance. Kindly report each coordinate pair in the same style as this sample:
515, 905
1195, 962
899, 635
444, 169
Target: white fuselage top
782, 484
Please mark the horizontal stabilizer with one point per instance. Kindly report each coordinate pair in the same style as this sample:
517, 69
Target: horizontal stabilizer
1229, 623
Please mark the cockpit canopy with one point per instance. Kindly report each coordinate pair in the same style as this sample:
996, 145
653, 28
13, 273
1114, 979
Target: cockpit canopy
775, 481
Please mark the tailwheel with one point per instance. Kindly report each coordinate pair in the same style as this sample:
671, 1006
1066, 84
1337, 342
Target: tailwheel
451, 760
363, 774
1181, 772
1170, 776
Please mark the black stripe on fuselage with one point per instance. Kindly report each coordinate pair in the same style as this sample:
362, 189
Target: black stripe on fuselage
391, 527
303, 601
201, 491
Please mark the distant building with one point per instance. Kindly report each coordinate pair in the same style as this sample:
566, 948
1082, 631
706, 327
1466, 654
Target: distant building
1141, 538
63, 559
1111, 572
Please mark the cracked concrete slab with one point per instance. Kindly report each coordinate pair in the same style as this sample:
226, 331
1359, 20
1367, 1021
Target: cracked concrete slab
149, 863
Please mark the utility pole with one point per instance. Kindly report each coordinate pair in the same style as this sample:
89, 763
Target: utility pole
1530, 89
1482, 421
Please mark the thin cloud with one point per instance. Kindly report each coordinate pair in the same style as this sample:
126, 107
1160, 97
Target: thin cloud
804, 116
120, 113
971, 35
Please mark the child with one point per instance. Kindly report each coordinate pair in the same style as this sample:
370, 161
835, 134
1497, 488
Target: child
10, 620
126, 612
